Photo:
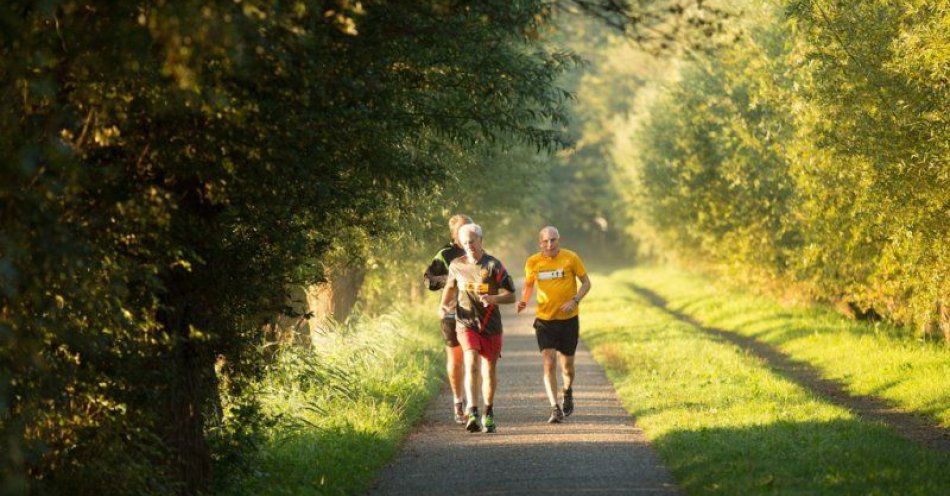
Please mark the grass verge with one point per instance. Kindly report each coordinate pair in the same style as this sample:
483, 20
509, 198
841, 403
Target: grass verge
350, 404
726, 422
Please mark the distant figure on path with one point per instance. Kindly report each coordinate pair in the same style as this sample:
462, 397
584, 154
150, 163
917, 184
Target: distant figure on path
477, 283
435, 277
556, 326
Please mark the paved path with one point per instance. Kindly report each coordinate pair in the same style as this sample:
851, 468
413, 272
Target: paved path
596, 451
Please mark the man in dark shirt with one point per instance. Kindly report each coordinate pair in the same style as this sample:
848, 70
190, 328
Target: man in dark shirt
476, 284
435, 280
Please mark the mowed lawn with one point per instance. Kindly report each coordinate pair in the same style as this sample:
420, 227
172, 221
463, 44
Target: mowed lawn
726, 421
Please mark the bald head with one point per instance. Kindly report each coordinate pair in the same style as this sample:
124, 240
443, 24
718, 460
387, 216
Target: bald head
550, 241
549, 231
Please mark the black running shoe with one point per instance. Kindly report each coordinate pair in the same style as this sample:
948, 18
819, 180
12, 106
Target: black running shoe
568, 403
459, 414
556, 415
472, 424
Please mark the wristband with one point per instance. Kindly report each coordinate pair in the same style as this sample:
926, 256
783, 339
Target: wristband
577, 301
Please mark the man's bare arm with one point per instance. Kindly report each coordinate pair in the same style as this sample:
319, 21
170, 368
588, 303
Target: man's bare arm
571, 304
504, 297
448, 296
525, 296
585, 287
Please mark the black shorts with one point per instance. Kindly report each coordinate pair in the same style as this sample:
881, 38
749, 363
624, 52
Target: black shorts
558, 334
448, 333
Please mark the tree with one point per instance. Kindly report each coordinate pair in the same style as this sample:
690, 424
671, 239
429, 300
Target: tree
814, 148
170, 168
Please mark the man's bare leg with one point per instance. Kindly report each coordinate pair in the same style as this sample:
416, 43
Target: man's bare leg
488, 381
549, 361
453, 369
471, 360
567, 374
567, 370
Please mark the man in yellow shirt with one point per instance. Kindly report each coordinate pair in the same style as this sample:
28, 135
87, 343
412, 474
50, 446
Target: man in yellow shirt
556, 326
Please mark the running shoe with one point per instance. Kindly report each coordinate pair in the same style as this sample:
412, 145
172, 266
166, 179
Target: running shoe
472, 424
568, 403
556, 415
488, 423
459, 414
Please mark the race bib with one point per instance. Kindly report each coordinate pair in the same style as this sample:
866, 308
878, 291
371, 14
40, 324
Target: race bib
550, 274
477, 288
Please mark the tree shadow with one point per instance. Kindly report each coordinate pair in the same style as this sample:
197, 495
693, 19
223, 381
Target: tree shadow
920, 428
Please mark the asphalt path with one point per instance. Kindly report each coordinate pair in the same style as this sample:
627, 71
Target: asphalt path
597, 450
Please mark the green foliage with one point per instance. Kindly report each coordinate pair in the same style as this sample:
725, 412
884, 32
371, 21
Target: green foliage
584, 193
169, 167
513, 190
711, 177
874, 124
814, 151
578, 194
502, 189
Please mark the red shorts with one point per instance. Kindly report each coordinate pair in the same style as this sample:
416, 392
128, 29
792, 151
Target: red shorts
487, 346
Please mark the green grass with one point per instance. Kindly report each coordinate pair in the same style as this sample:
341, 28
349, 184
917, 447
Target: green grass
725, 422
871, 359
352, 402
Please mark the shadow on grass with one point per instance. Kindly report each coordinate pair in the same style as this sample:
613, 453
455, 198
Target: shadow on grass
837, 457
783, 330
925, 430
836, 322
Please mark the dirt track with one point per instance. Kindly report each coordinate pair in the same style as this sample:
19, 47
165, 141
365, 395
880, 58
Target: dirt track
598, 450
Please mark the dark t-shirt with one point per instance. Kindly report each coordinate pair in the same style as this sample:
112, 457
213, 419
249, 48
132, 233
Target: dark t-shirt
439, 268
486, 276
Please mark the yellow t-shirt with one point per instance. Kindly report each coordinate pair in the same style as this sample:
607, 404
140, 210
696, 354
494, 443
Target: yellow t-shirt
555, 280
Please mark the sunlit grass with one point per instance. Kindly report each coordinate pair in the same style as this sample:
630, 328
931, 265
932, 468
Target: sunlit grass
726, 423
353, 401
869, 358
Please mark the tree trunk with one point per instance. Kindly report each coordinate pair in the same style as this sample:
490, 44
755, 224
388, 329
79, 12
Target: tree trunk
336, 297
944, 318
189, 382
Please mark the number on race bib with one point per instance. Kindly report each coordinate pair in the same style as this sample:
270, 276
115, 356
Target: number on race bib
550, 274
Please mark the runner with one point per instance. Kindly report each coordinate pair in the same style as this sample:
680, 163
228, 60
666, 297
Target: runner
477, 283
556, 324
435, 279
